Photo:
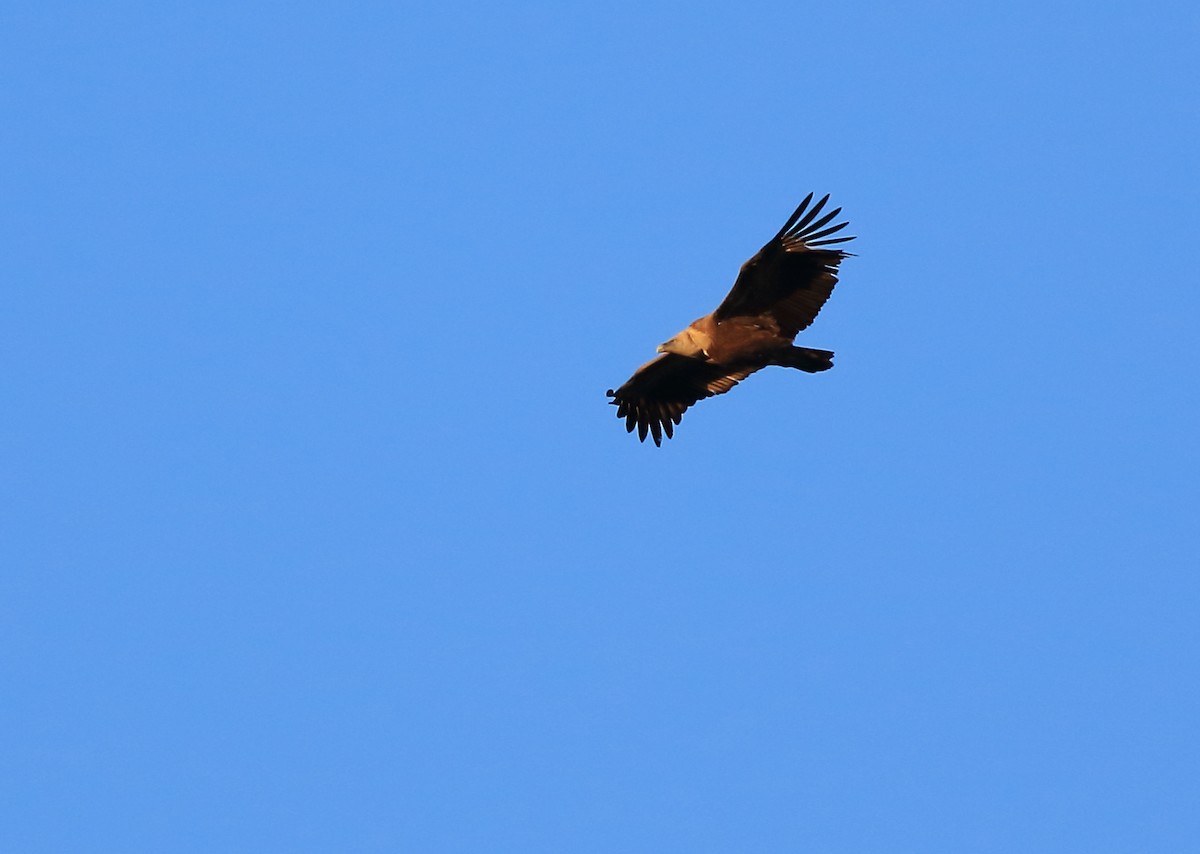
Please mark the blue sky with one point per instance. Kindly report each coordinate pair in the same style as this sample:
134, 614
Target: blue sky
319, 535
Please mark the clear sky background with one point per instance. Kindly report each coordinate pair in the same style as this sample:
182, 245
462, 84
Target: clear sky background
318, 533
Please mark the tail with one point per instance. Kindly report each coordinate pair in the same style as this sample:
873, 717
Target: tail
806, 359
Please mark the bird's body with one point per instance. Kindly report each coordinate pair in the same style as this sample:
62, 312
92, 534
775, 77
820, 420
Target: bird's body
777, 294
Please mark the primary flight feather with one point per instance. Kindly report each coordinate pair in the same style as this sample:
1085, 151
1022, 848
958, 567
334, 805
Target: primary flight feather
777, 294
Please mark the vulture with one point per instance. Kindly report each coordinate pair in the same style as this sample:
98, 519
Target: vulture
777, 294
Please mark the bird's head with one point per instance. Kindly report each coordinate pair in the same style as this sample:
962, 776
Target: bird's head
690, 342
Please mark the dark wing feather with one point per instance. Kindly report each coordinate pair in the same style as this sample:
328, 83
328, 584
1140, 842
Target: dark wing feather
792, 276
656, 396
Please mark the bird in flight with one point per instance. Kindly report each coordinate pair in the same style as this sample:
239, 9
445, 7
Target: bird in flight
777, 294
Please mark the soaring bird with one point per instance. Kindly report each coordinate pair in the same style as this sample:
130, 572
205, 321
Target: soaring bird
777, 294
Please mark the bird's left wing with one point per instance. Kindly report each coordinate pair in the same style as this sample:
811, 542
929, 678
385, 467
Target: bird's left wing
656, 396
791, 277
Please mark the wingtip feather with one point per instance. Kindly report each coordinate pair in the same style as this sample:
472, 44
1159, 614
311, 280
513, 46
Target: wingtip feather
795, 216
808, 217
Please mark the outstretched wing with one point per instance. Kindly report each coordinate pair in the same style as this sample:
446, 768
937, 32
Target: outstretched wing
656, 396
791, 277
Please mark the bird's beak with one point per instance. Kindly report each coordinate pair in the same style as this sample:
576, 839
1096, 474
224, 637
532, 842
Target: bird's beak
661, 348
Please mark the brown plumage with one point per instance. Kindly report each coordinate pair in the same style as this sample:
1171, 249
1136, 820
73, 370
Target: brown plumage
777, 294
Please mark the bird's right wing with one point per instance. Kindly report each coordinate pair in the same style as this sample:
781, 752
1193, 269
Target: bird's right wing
656, 396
